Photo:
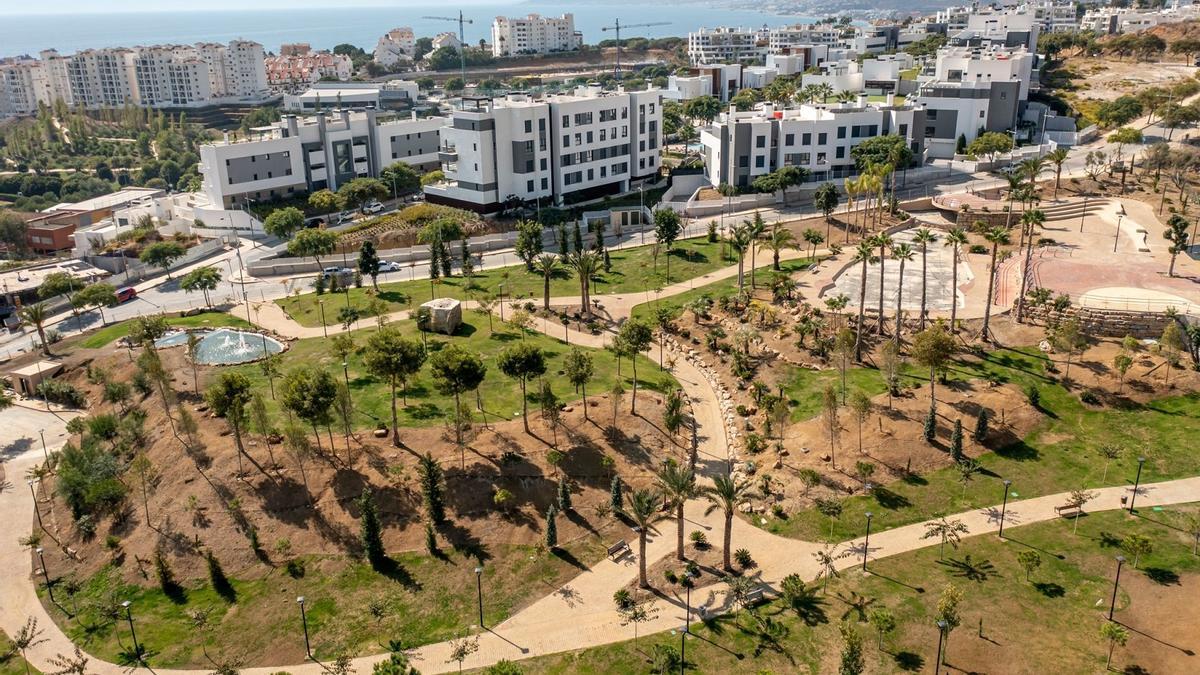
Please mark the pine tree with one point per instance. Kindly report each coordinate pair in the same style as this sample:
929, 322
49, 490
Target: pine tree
371, 530
607, 262
564, 495
981, 426
930, 431
956, 442
551, 527
431, 544
432, 490
618, 500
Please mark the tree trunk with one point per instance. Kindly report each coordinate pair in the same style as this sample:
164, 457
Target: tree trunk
642, 583
862, 306
899, 300
633, 399
879, 327
524, 407
987, 308
395, 419
679, 541
954, 292
924, 280
728, 541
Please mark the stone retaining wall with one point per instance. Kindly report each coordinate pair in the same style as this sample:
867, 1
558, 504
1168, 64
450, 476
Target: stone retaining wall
1106, 322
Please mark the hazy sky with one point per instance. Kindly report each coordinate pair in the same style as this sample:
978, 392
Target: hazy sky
91, 6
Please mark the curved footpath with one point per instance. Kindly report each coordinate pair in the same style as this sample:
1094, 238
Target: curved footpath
579, 613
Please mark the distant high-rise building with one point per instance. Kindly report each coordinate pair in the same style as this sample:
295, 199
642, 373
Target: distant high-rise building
534, 34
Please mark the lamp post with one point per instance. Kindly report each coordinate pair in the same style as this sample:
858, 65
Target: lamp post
36, 510
479, 591
304, 622
688, 602
1004, 506
45, 573
1116, 583
642, 210
133, 633
346, 373
941, 626
683, 648
1082, 215
1136, 482
45, 452
324, 328
867, 542
1117, 235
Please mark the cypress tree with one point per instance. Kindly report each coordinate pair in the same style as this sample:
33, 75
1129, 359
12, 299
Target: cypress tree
371, 531
618, 500
430, 539
956, 441
551, 527
564, 248
607, 262
930, 431
981, 426
577, 239
564, 494
432, 489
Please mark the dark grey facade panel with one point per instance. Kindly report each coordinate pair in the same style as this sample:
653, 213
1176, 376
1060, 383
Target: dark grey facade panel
258, 167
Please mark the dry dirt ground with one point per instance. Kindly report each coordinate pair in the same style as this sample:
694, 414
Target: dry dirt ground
1107, 78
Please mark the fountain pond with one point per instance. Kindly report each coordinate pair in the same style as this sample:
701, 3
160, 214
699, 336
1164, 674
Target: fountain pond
224, 346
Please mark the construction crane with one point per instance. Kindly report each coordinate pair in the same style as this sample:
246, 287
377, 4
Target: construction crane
462, 41
617, 27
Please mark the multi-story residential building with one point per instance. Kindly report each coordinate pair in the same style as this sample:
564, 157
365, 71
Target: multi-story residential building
1054, 16
726, 45
24, 84
987, 64
245, 70
534, 34
965, 109
325, 151
741, 146
561, 148
161, 78
1008, 28
396, 47
687, 87
446, 40
297, 72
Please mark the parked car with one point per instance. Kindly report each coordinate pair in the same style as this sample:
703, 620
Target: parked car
329, 272
372, 207
389, 266
126, 294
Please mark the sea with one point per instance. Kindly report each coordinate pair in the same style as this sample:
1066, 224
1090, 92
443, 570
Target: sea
361, 26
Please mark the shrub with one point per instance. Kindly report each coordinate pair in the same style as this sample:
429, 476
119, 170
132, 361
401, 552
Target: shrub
778, 512
295, 568
981, 426
670, 576
742, 410
743, 558
62, 393
112, 542
623, 599
1033, 396
755, 443
978, 249
1089, 397
929, 432
699, 539
693, 569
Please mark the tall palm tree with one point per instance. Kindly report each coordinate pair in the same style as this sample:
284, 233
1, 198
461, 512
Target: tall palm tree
996, 236
1032, 168
924, 237
1016, 180
37, 315
1029, 220
864, 255
957, 239
902, 253
585, 264
725, 494
883, 241
642, 509
851, 185
547, 265
739, 241
755, 229
1057, 157
780, 240
678, 484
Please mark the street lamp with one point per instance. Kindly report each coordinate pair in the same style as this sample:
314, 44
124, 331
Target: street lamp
45, 573
1082, 215
45, 452
479, 591
1004, 506
133, 633
346, 374
867, 541
36, 510
941, 625
304, 622
683, 648
324, 328
1116, 583
1136, 482
1117, 235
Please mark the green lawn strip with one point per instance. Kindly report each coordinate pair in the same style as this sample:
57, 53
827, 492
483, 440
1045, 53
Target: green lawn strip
1059, 456
426, 405
351, 609
633, 269
108, 334
676, 303
1052, 618
11, 662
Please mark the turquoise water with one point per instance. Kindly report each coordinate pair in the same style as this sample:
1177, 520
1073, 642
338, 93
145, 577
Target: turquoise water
224, 347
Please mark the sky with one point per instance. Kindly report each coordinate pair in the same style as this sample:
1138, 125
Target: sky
9, 7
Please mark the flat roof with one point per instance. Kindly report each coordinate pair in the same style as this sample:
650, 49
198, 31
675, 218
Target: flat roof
37, 368
108, 201
19, 280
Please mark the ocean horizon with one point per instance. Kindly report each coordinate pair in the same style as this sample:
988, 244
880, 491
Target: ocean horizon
22, 34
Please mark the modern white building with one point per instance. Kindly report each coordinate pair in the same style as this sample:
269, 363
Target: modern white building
741, 146
396, 47
391, 94
726, 45
560, 148
687, 87
1008, 28
534, 34
300, 155
965, 109
449, 40
985, 65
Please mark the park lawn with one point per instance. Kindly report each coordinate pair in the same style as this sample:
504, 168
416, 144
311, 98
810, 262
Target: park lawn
351, 609
11, 662
426, 405
1053, 618
1061, 455
676, 303
633, 269
108, 334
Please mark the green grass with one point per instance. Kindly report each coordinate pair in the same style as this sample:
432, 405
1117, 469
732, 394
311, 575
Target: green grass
351, 609
676, 303
1060, 455
1053, 618
11, 662
108, 334
910, 73
633, 269
426, 406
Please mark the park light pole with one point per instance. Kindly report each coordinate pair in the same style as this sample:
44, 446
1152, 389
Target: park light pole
304, 622
324, 328
36, 510
1136, 481
683, 648
1116, 583
1117, 235
941, 626
45, 574
1004, 506
132, 633
867, 542
346, 373
45, 452
1084, 214
479, 591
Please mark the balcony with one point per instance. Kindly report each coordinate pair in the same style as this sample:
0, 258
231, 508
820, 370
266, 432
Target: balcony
448, 155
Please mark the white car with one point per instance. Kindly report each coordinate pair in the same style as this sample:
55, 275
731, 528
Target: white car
389, 266
372, 207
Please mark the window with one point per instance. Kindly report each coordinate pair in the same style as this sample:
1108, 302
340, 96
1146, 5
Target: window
566, 140
821, 158
608, 115
603, 134
930, 131
760, 141
841, 132
545, 183
841, 152
651, 108
806, 139
805, 158
583, 118
789, 139
529, 147
744, 162
980, 114
528, 166
931, 114
566, 121
760, 162
578, 139
543, 164
591, 174
603, 171
589, 137
903, 129
529, 186
822, 138
529, 126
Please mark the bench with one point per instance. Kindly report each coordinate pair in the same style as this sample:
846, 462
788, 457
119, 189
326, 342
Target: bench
618, 549
754, 596
1068, 510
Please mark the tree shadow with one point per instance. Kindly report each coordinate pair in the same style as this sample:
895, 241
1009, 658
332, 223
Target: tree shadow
1050, 589
909, 661
395, 571
1162, 576
978, 571
569, 558
890, 500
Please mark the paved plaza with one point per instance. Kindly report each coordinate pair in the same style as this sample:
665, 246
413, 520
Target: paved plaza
940, 293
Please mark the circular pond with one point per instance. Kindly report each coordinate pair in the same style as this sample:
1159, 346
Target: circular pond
225, 346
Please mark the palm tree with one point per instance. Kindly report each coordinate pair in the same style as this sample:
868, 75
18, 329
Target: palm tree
780, 240
755, 229
846, 96
996, 236
1057, 157
956, 238
851, 185
547, 265
864, 255
585, 264
902, 253
678, 485
37, 315
1016, 180
725, 494
739, 241
949, 531
883, 241
1032, 168
1029, 220
924, 236
824, 91
643, 510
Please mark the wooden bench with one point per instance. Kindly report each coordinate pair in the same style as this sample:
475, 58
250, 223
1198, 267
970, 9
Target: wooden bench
754, 597
1068, 510
618, 549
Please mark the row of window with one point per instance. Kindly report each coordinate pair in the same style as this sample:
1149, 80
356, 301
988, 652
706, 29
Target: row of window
589, 137
607, 115
586, 156
576, 177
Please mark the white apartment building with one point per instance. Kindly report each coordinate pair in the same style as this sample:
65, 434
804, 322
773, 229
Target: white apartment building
1054, 16
561, 148
741, 146
1010, 28
397, 46
297, 71
965, 109
447, 40
727, 45
24, 84
787, 64
985, 65
534, 34
687, 87
296, 156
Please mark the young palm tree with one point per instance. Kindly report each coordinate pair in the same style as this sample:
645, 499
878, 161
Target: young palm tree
883, 241
585, 264
547, 265
725, 494
851, 186
864, 255
846, 96
739, 241
924, 237
1057, 157
37, 315
779, 241
1029, 220
642, 509
678, 485
902, 253
956, 238
1016, 180
755, 229
996, 236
